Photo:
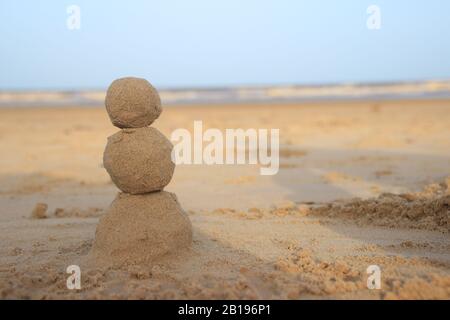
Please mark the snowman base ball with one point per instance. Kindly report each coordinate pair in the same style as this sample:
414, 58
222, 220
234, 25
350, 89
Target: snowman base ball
139, 229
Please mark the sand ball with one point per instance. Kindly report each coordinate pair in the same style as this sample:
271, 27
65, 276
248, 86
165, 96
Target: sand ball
39, 211
132, 103
141, 228
138, 160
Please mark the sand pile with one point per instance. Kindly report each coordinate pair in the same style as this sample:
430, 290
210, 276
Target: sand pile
144, 223
429, 209
39, 211
138, 228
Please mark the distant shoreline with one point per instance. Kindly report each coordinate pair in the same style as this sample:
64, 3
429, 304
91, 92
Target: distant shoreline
243, 95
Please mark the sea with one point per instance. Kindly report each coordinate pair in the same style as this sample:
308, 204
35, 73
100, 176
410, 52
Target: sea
241, 94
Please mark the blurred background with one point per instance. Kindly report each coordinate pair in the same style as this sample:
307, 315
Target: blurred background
203, 51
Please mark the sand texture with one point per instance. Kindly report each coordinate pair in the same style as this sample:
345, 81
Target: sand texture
139, 160
140, 229
360, 184
132, 103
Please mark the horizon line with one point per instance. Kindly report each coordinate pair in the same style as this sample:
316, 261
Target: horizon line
250, 86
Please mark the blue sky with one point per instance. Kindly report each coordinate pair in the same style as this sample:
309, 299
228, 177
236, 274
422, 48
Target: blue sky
208, 43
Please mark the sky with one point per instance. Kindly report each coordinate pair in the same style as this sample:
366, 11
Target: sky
204, 43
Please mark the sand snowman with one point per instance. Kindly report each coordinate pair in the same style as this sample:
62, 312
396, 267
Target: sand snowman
143, 223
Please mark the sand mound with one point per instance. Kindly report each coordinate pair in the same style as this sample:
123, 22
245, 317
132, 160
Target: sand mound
39, 211
426, 210
132, 103
141, 228
429, 209
138, 160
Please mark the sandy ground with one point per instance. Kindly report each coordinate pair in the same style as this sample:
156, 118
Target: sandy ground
360, 184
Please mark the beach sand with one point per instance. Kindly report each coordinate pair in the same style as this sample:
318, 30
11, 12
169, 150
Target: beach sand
360, 184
